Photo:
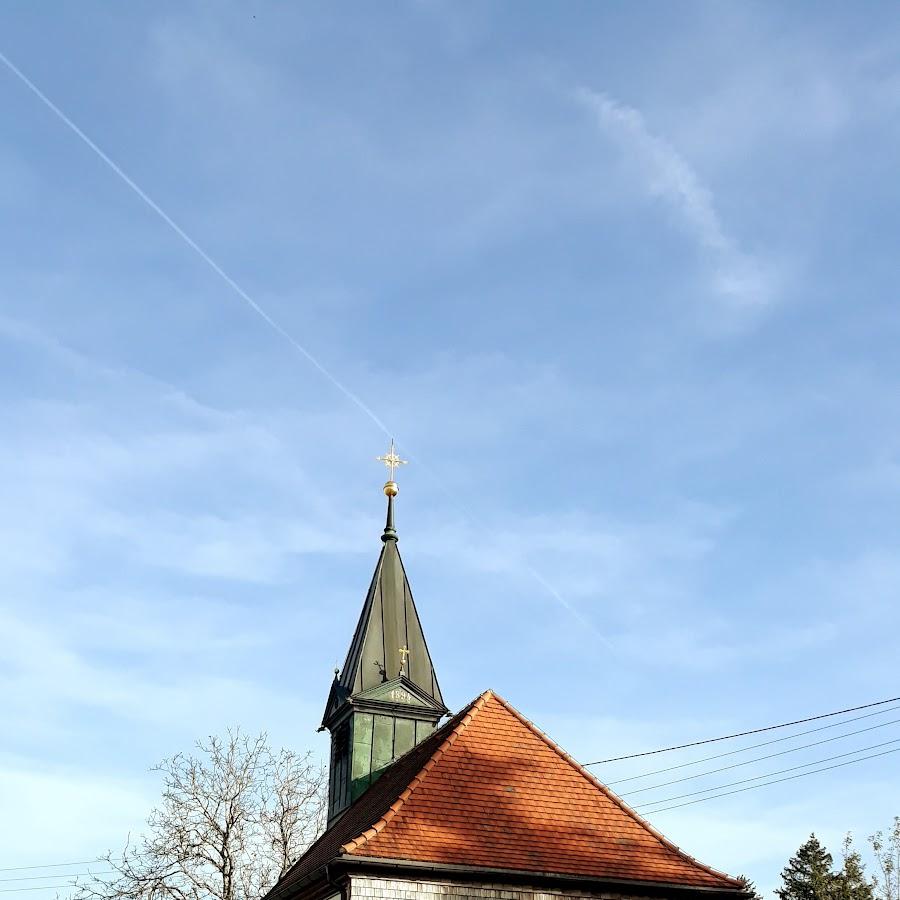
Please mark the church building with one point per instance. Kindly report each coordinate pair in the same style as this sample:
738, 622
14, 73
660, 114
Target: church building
484, 805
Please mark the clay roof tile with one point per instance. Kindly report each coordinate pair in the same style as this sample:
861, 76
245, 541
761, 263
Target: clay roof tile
489, 789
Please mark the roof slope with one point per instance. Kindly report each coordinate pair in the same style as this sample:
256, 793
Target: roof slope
370, 807
388, 623
490, 790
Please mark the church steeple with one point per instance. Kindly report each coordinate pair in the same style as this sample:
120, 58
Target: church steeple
386, 697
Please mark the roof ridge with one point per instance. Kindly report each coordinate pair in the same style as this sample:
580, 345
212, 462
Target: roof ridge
607, 791
420, 776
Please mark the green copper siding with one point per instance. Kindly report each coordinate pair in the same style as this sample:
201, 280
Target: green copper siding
383, 743
339, 782
377, 742
404, 736
362, 754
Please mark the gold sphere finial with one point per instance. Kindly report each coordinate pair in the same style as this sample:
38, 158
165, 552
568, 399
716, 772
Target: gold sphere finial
391, 489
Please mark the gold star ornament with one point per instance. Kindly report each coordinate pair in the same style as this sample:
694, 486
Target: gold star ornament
392, 461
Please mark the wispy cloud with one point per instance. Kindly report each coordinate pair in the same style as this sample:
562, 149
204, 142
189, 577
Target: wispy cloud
185, 539
83, 813
743, 281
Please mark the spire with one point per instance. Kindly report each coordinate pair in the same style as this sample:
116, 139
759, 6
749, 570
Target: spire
386, 698
389, 641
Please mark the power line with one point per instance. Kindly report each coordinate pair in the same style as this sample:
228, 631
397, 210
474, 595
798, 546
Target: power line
747, 762
770, 774
65, 875
752, 787
790, 737
728, 737
80, 862
44, 887
654, 803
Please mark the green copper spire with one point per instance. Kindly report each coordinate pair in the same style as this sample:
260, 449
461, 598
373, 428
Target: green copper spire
386, 698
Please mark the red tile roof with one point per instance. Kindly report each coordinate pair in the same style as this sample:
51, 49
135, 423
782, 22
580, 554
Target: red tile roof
489, 790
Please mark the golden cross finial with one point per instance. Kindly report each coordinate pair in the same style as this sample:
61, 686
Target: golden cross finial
404, 652
391, 460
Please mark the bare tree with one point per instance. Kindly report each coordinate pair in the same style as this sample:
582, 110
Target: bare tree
886, 850
232, 820
850, 883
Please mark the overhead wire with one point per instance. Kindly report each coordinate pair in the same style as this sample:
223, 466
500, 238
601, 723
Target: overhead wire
770, 774
43, 887
752, 787
80, 862
653, 803
789, 737
728, 737
755, 759
59, 886
64, 875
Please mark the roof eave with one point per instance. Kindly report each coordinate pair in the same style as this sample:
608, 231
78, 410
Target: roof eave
453, 870
319, 882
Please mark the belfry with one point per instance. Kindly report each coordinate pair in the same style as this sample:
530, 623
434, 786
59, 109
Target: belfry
483, 806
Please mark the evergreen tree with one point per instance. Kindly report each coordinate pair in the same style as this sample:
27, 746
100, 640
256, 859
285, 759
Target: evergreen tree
808, 874
750, 888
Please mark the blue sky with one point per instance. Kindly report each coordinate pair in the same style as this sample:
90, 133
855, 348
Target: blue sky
621, 279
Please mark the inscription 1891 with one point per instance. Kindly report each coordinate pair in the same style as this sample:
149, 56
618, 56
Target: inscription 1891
401, 696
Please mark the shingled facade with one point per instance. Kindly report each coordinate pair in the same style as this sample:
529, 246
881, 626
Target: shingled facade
486, 806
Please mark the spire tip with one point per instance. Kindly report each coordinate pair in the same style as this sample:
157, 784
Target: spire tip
391, 460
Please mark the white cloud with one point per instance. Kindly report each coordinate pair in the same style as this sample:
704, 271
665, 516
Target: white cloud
41, 811
44, 671
740, 279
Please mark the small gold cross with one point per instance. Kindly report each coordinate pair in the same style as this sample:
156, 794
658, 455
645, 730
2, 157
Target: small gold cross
391, 460
404, 652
